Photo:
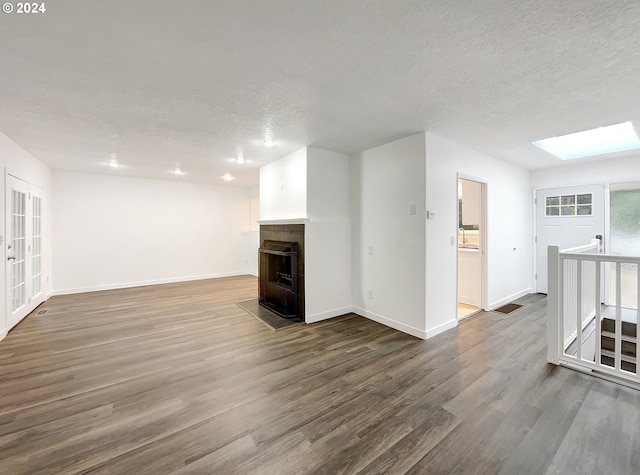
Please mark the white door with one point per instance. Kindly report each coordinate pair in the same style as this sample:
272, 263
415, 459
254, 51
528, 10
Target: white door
566, 217
24, 249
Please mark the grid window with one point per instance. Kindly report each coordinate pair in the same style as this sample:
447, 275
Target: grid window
569, 205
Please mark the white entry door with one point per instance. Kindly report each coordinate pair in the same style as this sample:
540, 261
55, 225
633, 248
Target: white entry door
24, 249
566, 217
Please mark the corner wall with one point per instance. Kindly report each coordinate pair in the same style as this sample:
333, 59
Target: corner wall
385, 182
327, 236
116, 232
509, 228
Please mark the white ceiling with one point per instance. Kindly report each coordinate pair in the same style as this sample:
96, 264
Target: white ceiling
166, 82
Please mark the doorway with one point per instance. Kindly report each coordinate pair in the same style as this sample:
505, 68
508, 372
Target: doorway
24, 215
471, 246
566, 217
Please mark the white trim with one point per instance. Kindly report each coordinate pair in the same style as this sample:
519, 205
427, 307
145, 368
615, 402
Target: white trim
510, 298
127, 285
336, 312
391, 323
443, 327
255, 274
3, 334
284, 221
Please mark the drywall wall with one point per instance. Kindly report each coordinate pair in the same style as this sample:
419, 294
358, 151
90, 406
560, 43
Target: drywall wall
327, 236
509, 228
114, 232
388, 241
17, 162
252, 236
283, 187
617, 170
327, 185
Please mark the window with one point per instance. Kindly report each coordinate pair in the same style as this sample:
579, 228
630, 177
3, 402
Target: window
569, 205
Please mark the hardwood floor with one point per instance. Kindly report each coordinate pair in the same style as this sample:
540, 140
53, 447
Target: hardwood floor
178, 379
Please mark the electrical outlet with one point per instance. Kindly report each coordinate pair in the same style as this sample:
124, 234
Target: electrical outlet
371, 294
246, 261
371, 250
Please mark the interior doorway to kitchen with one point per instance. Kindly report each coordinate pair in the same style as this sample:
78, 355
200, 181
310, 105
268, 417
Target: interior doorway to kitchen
471, 246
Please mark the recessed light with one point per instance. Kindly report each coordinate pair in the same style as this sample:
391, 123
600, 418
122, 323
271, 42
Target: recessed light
177, 171
269, 143
613, 138
113, 163
240, 158
228, 177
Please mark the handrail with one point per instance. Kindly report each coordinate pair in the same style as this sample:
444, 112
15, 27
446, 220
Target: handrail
576, 312
600, 258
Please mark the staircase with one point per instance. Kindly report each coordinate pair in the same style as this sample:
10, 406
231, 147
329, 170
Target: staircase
628, 350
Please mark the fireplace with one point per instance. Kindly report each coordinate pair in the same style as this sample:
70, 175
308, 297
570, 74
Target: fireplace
281, 270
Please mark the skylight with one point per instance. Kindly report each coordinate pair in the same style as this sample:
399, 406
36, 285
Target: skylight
613, 138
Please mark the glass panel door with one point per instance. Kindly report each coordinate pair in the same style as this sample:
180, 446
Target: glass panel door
18, 250
36, 246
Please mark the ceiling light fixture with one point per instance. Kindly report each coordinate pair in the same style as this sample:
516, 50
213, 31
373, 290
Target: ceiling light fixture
177, 171
113, 163
228, 177
269, 143
240, 158
613, 138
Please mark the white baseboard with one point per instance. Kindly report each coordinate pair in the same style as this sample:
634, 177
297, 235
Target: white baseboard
443, 327
336, 312
255, 274
391, 323
510, 298
3, 333
127, 285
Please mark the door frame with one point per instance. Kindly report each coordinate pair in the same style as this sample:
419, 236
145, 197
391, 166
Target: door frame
483, 242
31, 303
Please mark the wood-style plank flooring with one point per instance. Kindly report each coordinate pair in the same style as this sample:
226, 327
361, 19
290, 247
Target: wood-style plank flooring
177, 379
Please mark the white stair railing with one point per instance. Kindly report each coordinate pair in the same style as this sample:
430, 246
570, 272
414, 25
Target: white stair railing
575, 325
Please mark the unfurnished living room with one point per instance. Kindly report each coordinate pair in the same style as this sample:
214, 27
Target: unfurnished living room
340, 237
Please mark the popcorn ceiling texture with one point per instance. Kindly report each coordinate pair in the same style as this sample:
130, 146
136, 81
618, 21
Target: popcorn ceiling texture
160, 83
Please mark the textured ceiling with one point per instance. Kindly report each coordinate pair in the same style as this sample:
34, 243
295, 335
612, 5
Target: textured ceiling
160, 83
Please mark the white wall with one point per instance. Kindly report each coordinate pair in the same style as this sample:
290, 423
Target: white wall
283, 187
114, 232
509, 228
385, 181
252, 236
327, 236
618, 170
17, 162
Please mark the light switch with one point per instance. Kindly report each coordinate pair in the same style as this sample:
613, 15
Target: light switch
371, 250
412, 209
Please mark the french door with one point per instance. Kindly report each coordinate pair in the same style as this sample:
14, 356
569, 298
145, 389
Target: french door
24, 249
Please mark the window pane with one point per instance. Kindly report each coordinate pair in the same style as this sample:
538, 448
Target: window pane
553, 211
625, 241
569, 200
553, 201
568, 210
584, 210
584, 199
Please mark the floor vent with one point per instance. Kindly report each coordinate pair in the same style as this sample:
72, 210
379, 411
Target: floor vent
42, 312
508, 309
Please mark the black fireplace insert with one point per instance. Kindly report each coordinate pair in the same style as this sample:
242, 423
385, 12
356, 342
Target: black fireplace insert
278, 282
